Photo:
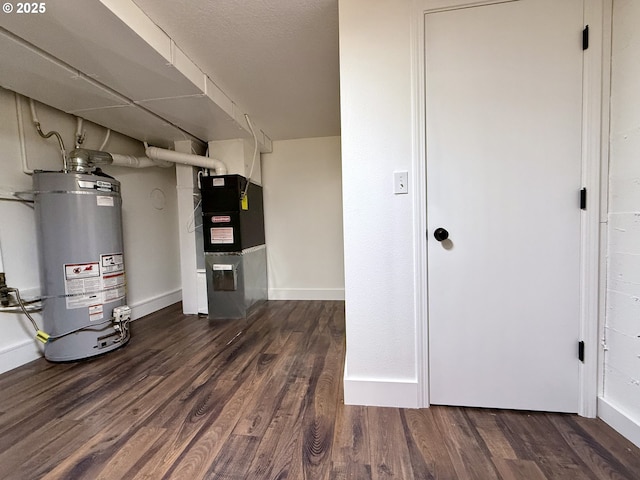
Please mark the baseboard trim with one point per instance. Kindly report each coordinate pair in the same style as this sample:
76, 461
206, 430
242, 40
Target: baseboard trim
18, 354
400, 394
153, 304
306, 294
28, 350
619, 421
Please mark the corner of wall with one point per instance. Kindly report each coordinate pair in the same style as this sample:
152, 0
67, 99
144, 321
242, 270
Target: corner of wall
381, 393
615, 417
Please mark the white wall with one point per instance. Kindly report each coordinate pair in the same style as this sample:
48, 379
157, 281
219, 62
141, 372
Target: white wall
237, 155
622, 330
149, 211
376, 105
382, 365
303, 219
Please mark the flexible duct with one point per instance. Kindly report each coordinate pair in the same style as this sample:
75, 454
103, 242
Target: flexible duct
160, 154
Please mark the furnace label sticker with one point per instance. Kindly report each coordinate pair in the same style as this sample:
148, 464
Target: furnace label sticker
82, 284
217, 182
222, 267
221, 219
221, 235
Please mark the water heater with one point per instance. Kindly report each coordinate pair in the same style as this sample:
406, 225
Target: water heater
79, 232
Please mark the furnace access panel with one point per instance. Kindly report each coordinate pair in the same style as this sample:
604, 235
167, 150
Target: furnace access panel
230, 222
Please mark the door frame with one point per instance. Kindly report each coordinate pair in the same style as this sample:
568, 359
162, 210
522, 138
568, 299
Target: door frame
595, 153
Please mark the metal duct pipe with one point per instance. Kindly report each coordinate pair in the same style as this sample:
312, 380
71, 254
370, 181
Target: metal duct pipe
156, 153
82, 160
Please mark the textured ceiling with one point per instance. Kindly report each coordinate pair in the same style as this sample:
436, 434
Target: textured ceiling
277, 58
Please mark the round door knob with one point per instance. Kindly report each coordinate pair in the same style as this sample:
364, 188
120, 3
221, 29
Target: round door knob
440, 234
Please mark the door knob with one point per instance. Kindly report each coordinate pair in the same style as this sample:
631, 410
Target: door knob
440, 234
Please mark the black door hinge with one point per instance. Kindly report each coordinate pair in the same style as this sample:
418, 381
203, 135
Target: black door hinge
585, 38
581, 351
583, 199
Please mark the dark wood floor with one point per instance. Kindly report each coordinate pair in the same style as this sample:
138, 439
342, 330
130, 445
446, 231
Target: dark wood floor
262, 399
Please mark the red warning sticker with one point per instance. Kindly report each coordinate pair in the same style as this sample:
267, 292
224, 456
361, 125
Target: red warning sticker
81, 270
82, 284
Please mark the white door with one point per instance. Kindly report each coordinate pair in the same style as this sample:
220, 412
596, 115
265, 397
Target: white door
504, 118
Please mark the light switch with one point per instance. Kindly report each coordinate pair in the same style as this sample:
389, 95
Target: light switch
400, 182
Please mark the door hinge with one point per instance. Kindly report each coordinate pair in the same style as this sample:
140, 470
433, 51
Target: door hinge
583, 199
581, 351
585, 38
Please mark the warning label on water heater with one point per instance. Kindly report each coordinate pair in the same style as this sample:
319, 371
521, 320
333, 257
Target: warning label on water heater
113, 262
113, 282
83, 284
95, 283
96, 312
113, 287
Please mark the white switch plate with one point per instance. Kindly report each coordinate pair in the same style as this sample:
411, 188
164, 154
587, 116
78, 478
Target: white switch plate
400, 182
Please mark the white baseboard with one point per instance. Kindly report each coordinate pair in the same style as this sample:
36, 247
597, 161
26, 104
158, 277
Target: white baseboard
26, 351
401, 394
619, 421
306, 294
18, 354
153, 304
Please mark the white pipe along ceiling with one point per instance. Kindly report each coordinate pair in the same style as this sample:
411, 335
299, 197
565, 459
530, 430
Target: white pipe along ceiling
156, 157
161, 154
81, 159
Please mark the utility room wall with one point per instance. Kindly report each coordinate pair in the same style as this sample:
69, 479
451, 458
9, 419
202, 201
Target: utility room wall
302, 187
149, 216
622, 330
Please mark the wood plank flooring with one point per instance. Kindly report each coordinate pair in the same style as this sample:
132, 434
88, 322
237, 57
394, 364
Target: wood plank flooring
261, 399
